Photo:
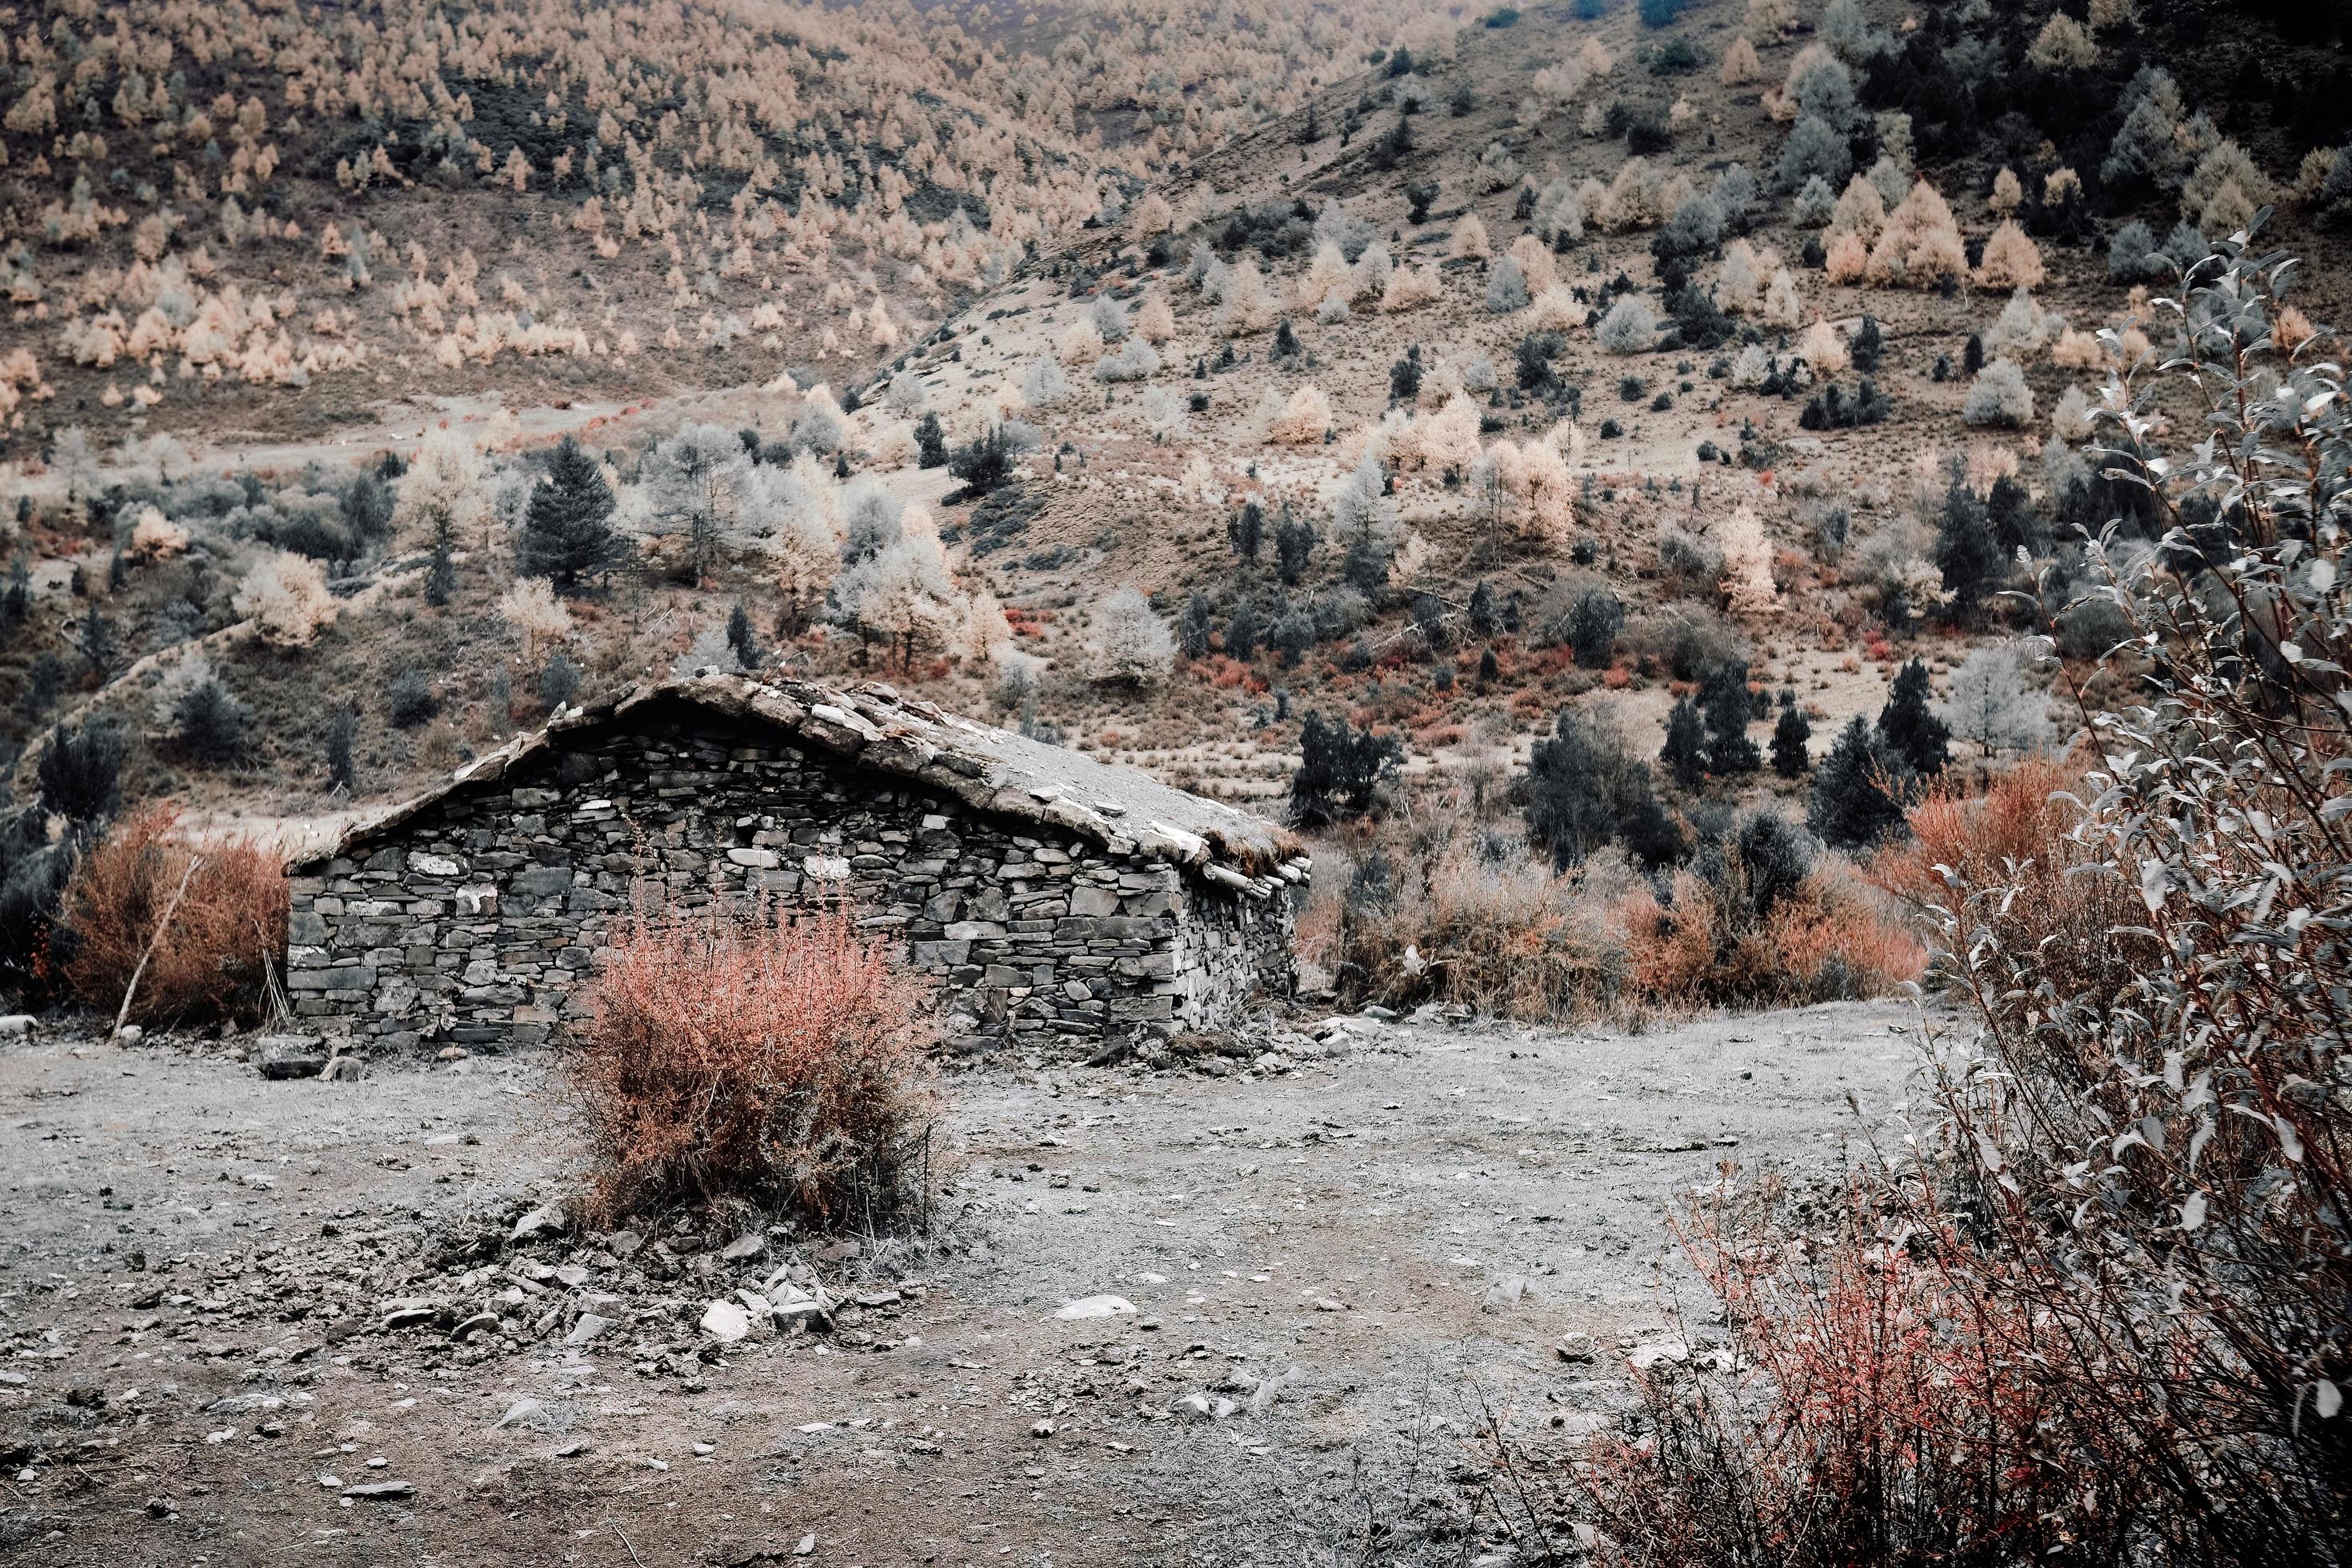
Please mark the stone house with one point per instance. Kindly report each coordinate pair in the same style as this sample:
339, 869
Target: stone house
1060, 903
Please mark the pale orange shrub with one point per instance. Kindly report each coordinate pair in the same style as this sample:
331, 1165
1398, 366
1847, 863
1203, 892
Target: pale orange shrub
2018, 837
1505, 936
737, 1056
1822, 941
217, 957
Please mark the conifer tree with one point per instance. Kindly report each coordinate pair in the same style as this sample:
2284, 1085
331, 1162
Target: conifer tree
1404, 376
740, 637
93, 638
16, 601
1850, 808
1192, 628
1966, 552
567, 534
1294, 543
1789, 757
1724, 697
1482, 609
931, 441
342, 731
1684, 755
1911, 731
209, 723
367, 509
1340, 769
1246, 530
441, 577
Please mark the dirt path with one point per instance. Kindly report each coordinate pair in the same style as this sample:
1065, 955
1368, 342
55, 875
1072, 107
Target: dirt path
1347, 1258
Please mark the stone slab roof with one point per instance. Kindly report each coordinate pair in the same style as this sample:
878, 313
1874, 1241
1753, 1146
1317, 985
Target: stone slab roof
1123, 809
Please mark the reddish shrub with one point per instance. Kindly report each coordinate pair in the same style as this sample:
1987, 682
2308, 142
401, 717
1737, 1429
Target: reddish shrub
2012, 864
1877, 1405
217, 957
746, 1056
1823, 941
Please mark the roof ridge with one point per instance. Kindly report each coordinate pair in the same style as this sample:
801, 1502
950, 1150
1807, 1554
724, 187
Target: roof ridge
990, 769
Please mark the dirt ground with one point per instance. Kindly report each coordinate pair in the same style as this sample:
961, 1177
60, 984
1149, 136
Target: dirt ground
1349, 1258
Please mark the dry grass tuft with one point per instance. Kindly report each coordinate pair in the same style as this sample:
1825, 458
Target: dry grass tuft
1825, 939
1445, 914
743, 1056
216, 958
1441, 907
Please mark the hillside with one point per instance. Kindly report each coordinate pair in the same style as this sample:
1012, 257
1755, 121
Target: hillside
1426, 374
272, 219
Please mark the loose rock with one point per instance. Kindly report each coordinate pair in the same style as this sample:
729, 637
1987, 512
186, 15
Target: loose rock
379, 1490
725, 1322
283, 1056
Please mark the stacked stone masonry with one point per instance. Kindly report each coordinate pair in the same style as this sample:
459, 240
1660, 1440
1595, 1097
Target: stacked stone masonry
475, 921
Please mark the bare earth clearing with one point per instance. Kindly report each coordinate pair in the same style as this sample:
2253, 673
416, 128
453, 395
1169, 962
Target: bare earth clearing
1349, 1259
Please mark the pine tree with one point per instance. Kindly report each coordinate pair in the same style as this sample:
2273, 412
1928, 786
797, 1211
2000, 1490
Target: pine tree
1869, 343
367, 509
1482, 609
1246, 531
1192, 628
1910, 730
1340, 769
209, 724
94, 637
16, 602
1789, 757
1583, 789
1725, 699
1294, 543
43, 682
1404, 376
2015, 525
739, 637
1593, 621
931, 441
1242, 631
342, 732
567, 534
1966, 552
81, 771
1684, 755
1850, 808
441, 577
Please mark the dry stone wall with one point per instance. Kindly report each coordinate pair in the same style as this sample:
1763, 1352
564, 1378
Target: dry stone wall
475, 921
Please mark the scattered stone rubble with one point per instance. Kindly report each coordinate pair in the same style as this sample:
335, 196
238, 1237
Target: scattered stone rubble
1062, 903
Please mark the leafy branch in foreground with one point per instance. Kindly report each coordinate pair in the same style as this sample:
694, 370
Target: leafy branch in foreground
2095, 1306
